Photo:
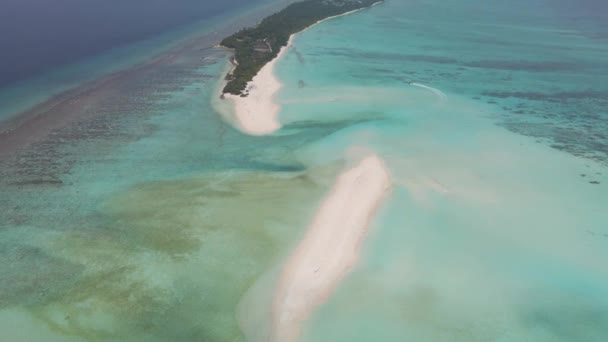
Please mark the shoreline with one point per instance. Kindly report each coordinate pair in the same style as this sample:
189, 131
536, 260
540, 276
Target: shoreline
37, 120
330, 247
257, 113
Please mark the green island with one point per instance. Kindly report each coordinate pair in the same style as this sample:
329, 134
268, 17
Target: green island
256, 46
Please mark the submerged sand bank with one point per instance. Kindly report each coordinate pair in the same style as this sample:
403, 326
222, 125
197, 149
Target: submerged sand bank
330, 247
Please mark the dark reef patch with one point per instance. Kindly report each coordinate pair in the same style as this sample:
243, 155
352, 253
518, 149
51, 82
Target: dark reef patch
30, 276
385, 56
573, 139
331, 126
568, 318
529, 66
99, 117
571, 120
299, 55
558, 96
38, 183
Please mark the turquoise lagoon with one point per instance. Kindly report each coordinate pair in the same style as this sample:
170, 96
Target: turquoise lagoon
162, 222
492, 119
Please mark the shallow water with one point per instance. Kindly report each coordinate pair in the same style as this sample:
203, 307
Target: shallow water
122, 225
492, 124
155, 220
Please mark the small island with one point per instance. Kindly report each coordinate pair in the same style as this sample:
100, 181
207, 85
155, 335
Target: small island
255, 47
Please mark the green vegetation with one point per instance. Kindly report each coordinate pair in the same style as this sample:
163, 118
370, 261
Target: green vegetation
254, 47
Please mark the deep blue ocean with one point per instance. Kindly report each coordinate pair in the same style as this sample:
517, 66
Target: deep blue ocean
38, 35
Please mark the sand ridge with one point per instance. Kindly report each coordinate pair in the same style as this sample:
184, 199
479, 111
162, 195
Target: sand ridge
330, 247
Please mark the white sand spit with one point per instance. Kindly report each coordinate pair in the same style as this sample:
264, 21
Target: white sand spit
330, 247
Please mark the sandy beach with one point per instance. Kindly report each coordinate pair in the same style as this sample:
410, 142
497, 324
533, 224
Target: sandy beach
257, 114
330, 247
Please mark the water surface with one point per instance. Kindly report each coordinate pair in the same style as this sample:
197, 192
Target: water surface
150, 219
492, 120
